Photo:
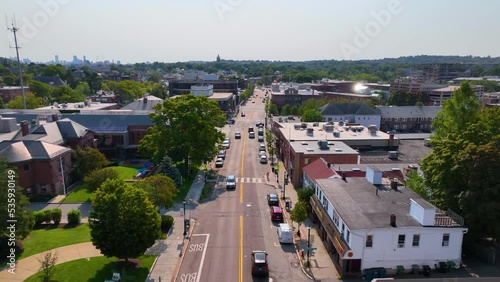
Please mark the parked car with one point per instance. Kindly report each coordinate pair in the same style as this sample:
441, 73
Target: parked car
231, 182
251, 135
272, 200
237, 135
262, 147
276, 214
226, 144
263, 159
259, 263
261, 138
242, 114
219, 162
259, 124
221, 154
250, 129
260, 132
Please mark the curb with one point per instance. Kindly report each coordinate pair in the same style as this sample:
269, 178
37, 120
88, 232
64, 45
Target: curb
308, 274
183, 251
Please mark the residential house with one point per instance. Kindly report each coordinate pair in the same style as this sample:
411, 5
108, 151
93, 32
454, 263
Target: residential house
53, 81
372, 221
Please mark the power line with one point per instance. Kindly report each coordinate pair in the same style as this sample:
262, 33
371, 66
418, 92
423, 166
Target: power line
14, 30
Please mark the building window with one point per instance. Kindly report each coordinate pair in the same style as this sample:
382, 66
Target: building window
416, 240
348, 236
446, 240
343, 228
401, 241
26, 167
369, 241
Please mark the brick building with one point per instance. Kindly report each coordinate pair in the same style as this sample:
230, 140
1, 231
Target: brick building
9, 93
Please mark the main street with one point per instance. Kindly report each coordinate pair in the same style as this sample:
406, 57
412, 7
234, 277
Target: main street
237, 222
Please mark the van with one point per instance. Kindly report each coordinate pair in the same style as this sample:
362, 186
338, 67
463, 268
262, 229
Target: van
285, 233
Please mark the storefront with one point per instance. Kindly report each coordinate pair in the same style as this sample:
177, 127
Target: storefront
334, 243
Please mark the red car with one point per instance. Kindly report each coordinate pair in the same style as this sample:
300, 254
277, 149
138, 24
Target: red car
276, 214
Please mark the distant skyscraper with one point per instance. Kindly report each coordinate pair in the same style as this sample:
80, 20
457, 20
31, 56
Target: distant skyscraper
218, 58
57, 58
75, 58
118, 62
84, 58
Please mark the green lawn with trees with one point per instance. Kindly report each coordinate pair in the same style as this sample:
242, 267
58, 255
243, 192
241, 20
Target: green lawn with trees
98, 269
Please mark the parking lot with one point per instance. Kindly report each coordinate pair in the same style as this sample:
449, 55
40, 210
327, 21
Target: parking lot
410, 151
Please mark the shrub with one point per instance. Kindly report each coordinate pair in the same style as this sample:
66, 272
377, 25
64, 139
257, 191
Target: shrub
74, 216
97, 177
43, 216
166, 222
56, 215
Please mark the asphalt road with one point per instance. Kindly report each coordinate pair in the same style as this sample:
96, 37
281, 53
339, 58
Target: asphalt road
237, 222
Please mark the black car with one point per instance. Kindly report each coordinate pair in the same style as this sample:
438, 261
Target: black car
259, 263
260, 124
272, 200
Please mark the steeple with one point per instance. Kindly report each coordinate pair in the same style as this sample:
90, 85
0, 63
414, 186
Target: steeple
218, 58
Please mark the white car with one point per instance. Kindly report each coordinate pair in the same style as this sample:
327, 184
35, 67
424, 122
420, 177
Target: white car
263, 159
262, 147
219, 162
226, 144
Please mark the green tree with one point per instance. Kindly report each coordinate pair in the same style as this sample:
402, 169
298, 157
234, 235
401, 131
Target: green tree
417, 184
312, 104
167, 168
286, 110
47, 263
159, 90
95, 178
10, 189
32, 102
127, 90
299, 213
161, 190
185, 127
273, 109
87, 159
83, 89
312, 116
124, 223
40, 89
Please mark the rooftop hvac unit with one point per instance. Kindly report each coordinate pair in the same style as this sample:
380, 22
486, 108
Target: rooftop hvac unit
323, 145
341, 123
336, 134
296, 126
310, 131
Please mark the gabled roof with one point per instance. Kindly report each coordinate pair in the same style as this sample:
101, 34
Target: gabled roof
318, 170
57, 132
139, 104
334, 109
53, 81
108, 120
25, 150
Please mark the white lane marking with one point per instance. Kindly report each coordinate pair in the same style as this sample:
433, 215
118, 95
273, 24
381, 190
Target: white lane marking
203, 255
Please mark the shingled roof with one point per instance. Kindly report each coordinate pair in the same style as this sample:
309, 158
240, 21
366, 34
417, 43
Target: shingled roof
24, 150
334, 109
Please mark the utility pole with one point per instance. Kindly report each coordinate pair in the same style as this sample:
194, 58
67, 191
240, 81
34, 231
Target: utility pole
14, 30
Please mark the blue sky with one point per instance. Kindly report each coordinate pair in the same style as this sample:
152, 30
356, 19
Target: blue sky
171, 31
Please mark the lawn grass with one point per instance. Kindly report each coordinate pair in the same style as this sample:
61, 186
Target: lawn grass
98, 269
41, 240
81, 195
186, 184
208, 190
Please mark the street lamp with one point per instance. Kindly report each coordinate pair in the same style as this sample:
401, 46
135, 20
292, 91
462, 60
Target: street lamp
285, 182
184, 204
308, 243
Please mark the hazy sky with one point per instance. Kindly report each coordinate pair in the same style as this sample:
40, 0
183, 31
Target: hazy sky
184, 30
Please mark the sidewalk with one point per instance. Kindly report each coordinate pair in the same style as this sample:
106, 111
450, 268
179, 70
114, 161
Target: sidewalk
322, 268
170, 251
30, 265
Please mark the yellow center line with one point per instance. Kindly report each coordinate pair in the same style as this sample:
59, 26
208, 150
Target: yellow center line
241, 251
242, 165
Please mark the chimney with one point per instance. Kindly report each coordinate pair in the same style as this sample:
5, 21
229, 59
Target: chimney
394, 184
55, 117
391, 140
25, 127
329, 165
393, 220
86, 103
145, 100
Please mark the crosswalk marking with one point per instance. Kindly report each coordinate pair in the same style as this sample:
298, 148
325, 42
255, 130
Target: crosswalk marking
249, 180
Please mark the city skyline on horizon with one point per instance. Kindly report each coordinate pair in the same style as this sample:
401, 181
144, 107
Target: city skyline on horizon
241, 30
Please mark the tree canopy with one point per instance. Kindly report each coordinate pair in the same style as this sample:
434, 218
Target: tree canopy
185, 127
32, 102
124, 223
466, 152
88, 159
161, 190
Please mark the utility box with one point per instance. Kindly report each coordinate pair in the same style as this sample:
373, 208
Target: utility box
393, 155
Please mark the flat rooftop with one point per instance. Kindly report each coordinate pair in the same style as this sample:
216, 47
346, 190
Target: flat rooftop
312, 148
363, 205
288, 129
80, 106
221, 96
